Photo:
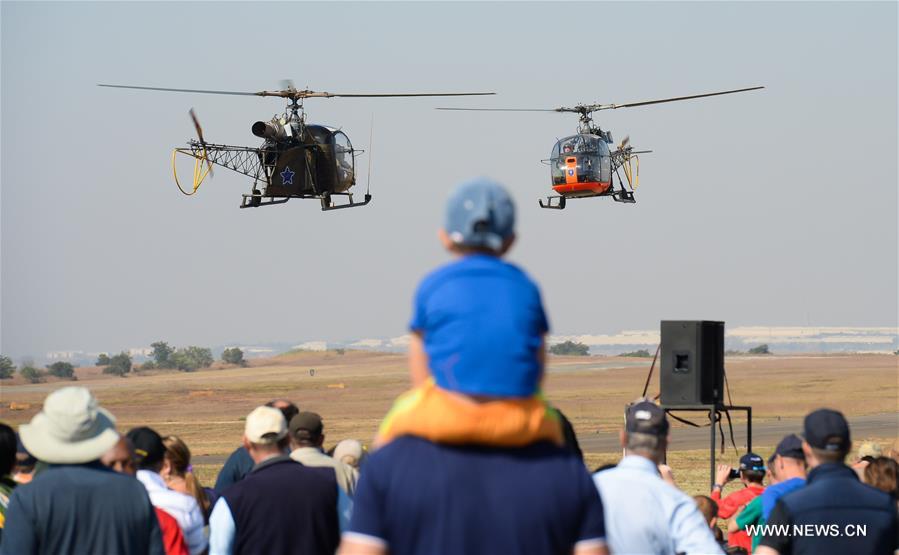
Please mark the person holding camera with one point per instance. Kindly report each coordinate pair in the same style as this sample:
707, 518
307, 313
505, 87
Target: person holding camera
751, 474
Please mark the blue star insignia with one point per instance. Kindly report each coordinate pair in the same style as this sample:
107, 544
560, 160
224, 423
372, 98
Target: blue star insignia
287, 176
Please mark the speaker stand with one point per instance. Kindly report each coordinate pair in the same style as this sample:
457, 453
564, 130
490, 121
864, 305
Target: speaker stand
714, 413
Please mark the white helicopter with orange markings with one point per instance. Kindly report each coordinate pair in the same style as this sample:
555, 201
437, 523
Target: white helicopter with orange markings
586, 164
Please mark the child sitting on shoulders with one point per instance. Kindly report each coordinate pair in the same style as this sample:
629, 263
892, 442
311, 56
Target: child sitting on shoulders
478, 329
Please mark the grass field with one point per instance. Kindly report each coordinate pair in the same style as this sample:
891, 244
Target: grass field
353, 391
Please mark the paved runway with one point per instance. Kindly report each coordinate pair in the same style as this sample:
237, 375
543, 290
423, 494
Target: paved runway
763, 433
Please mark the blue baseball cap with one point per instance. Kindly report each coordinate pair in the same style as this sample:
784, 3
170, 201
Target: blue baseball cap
790, 446
480, 214
751, 461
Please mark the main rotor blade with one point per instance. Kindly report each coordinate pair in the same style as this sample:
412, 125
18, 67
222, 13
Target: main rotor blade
500, 109
660, 101
178, 90
297, 94
380, 95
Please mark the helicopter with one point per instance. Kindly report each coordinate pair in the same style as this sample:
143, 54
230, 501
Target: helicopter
586, 164
295, 160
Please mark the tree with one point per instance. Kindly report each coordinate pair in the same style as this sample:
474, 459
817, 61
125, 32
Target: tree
570, 348
162, 354
61, 369
119, 365
32, 374
7, 368
103, 360
760, 350
234, 356
191, 358
638, 353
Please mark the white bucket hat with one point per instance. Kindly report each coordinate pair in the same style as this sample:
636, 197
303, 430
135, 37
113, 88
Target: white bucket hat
71, 429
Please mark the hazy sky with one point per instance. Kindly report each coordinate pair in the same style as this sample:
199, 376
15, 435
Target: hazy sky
776, 207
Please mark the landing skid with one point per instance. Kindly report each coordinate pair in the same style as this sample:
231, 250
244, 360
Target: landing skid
560, 205
624, 196
328, 202
257, 199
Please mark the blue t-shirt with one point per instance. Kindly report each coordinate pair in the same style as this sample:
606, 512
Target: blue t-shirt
775, 491
420, 497
483, 324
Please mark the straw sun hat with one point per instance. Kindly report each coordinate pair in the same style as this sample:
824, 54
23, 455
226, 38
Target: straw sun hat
72, 428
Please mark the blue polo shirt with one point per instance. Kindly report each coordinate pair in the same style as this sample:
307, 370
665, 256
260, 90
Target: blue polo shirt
483, 324
775, 491
416, 497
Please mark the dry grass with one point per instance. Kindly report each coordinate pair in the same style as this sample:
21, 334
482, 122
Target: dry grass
207, 408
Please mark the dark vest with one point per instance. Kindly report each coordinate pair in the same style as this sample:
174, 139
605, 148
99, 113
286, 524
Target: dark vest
834, 496
283, 507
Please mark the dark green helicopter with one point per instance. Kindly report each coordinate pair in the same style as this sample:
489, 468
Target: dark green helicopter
295, 160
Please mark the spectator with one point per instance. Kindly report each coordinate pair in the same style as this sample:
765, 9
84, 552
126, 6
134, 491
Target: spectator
306, 440
833, 499
350, 452
752, 474
179, 474
77, 505
416, 496
26, 464
883, 474
787, 468
281, 506
150, 455
709, 510
239, 463
7, 463
867, 452
121, 458
648, 515
478, 329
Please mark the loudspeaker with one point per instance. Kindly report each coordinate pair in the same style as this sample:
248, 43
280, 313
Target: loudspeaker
692, 369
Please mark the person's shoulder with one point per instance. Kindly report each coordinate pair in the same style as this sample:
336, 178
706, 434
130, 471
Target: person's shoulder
874, 497
238, 456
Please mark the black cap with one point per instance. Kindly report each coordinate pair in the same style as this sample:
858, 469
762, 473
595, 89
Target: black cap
751, 461
828, 430
790, 446
306, 421
645, 417
148, 447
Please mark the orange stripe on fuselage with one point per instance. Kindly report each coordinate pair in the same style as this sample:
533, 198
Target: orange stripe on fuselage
586, 188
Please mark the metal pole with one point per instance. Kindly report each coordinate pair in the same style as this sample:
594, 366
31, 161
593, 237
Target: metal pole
749, 428
712, 445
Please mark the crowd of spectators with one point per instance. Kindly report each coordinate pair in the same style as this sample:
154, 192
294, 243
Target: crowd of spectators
471, 460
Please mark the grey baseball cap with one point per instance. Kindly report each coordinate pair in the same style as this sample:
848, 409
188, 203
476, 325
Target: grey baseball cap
480, 214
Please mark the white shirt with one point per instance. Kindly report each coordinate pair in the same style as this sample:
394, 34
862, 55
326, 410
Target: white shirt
180, 505
644, 514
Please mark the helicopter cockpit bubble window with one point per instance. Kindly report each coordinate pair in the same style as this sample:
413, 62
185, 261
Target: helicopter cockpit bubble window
592, 162
343, 156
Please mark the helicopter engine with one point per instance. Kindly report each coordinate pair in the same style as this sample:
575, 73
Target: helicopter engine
271, 130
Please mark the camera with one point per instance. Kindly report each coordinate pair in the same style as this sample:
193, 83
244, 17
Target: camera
734, 474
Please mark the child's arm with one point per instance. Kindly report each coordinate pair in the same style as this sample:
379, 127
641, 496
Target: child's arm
418, 360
